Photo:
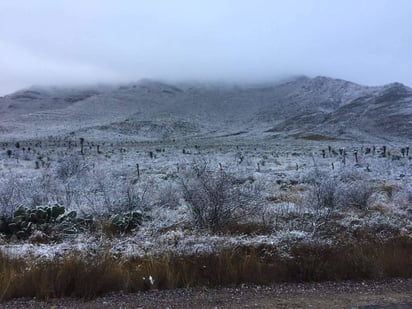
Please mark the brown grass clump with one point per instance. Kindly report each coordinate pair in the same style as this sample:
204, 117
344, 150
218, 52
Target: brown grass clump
362, 259
388, 189
288, 197
87, 276
73, 275
292, 194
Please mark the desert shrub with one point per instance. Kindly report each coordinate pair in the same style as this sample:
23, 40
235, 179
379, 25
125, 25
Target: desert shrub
71, 166
355, 194
28, 192
323, 189
325, 192
14, 193
124, 197
400, 194
103, 194
350, 175
341, 191
43, 190
168, 197
8, 194
215, 200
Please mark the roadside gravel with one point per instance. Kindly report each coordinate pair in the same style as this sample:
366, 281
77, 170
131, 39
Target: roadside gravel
396, 293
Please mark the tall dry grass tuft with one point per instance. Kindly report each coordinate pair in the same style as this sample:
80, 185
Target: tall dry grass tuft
360, 259
87, 276
74, 275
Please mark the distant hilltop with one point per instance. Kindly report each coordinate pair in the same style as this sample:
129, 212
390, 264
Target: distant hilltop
153, 110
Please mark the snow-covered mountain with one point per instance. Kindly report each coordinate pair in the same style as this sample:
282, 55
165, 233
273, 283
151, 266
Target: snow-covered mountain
147, 109
384, 112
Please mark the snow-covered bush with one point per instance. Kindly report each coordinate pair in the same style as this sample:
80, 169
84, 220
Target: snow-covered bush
71, 166
10, 196
45, 190
345, 190
215, 199
29, 192
323, 193
355, 194
102, 193
403, 196
168, 197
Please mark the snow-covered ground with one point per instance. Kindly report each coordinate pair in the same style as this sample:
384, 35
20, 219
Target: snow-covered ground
287, 181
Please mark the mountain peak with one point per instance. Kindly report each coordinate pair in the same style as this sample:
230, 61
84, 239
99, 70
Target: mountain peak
397, 86
302, 104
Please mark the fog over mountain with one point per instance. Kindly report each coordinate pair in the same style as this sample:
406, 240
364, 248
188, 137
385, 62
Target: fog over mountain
310, 108
67, 43
165, 70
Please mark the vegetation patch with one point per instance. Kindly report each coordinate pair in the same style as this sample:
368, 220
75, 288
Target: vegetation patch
316, 137
24, 221
86, 275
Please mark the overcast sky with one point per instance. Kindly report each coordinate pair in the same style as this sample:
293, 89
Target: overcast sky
50, 42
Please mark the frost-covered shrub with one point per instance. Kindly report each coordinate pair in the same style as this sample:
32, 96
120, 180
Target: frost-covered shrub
44, 190
403, 196
344, 190
323, 192
102, 193
29, 192
214, 199
71, 166
350, 175
168, 197
355, 194
10, 196
16, 192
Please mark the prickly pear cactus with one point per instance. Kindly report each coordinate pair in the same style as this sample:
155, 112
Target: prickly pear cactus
127, 222
42, 218
56, 211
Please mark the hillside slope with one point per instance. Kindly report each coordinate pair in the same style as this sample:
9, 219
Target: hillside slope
155, 110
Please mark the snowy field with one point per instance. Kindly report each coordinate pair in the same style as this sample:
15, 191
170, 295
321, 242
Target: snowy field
198, 196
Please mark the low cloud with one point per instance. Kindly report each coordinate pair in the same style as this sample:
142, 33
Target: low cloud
76, 42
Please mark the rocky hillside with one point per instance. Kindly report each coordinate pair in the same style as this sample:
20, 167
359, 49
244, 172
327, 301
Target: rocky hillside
384, 112
301, 107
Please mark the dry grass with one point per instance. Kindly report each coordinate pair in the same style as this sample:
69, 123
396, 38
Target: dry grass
74, 275
89, 276
388, 189
287, 197
363, 259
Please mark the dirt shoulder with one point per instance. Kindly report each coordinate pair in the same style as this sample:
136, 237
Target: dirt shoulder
305, 295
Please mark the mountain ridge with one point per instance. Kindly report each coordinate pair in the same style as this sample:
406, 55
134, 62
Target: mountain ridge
151, 109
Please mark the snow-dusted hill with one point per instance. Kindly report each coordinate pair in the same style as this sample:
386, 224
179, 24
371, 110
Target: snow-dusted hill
384, 112
300, 107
